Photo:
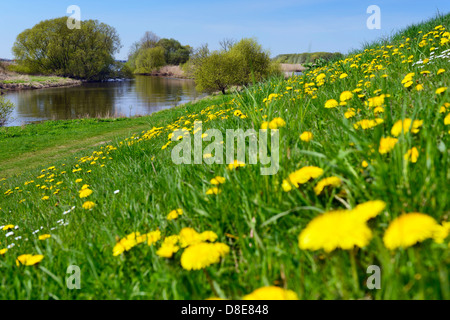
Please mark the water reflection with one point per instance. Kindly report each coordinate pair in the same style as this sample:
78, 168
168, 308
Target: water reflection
141, 96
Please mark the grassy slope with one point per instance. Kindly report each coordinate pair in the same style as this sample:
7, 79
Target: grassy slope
24, 148
253, 215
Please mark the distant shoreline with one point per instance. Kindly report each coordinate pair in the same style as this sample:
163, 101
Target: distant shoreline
38, 82
12, 81
167, 71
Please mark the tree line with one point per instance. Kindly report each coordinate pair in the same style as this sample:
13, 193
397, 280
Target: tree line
152, 52
237, 63
308, 57
50, 47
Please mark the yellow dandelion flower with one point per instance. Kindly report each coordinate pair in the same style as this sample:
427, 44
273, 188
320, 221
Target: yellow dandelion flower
368, 123
441, 90
212, 191
302, 176
265, 125
208, 236
29, 259
306, 136
346, 96
408, 84
218, 180
412, 155
343, 76
174, 239
368, 210
387, 144
169, 247
331, 104
8, 227
327, 182
286, 186
376, 101
88, 205
440, 71
167, 250
44, 237
447, 120
333, 230
3, 251
411, 228
378, 110
408, 78
271, 293
405, 126
202, 255
153, 237
236, 164
126, 244
277, 123
85, 193
45, 198
350, 113
188, 237
174, 214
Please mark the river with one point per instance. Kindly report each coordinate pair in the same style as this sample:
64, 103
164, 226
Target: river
140, 96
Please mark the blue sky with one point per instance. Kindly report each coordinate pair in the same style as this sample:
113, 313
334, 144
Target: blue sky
282, 26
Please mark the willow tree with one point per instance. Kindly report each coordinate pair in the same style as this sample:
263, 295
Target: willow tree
149, 60
50, 47
240, 63
217, 72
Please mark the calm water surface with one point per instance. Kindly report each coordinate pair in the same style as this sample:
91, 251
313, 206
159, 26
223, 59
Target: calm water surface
140, 96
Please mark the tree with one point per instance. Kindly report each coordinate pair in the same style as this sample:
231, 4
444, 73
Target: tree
52, 48
174, 52
149, 60
149, 40
6, 108
243, 63
195, 60
217, 72
227, 43
132, 55
254, 62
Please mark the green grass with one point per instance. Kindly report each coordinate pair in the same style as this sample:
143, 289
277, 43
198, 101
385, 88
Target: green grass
39, 79
13, 81
29, 146
252, 215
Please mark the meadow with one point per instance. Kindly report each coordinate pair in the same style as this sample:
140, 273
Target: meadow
363, 181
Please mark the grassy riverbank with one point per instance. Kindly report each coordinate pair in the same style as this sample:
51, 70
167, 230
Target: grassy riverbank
372, 129
24, 148
14, 81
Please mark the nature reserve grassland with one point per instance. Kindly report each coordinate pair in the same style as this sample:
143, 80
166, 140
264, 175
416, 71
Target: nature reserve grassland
363, 181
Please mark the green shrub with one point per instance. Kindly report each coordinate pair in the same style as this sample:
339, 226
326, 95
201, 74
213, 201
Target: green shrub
217, 72
6, 108
253, 61
243, 63
149, 60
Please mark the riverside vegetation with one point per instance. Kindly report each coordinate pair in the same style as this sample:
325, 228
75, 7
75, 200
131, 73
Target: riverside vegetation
363, 180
